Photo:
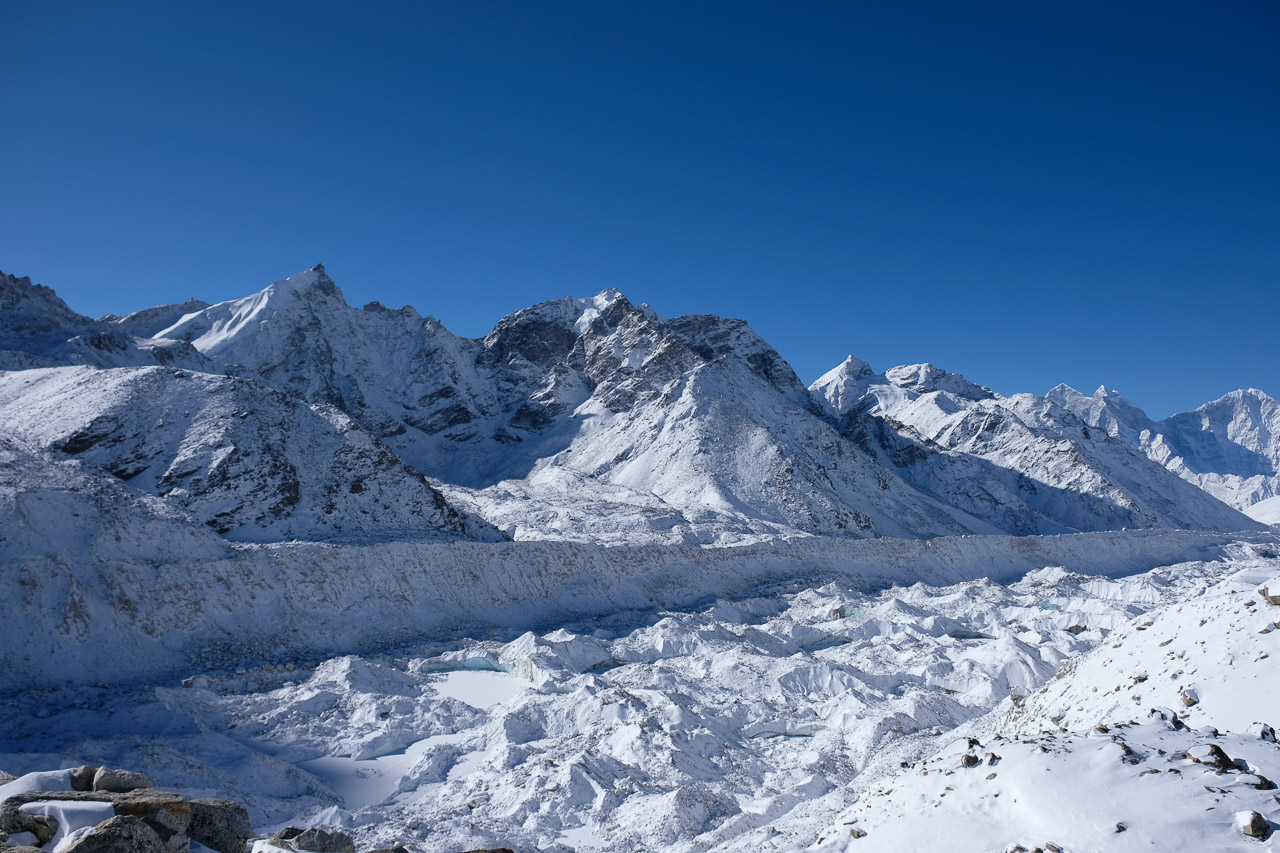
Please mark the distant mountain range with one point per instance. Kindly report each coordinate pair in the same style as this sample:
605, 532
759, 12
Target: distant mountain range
289, 414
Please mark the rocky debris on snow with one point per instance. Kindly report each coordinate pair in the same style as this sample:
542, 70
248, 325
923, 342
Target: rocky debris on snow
1270, 592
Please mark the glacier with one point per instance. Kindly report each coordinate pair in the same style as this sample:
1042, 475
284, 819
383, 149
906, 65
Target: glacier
602, 580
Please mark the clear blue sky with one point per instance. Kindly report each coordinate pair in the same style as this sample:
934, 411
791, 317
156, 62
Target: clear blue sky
1026, 192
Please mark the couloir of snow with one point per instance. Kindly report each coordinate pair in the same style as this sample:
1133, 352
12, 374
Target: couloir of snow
778, 720
1229, 447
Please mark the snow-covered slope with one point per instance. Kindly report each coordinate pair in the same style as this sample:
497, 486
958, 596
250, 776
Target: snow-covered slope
1229, 447
148, 322
244, 460
1160, 737
1022, 463
1267, 511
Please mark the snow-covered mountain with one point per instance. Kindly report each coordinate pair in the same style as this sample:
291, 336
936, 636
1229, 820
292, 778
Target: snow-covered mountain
245, 460
594, 420
37, 329
591, 419
598, 420
1229, 447
1022, 463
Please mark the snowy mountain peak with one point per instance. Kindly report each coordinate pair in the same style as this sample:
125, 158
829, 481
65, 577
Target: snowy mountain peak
307, 281
926, 378
33, 309
839, 389
1107, 409
1065, 396
213, 329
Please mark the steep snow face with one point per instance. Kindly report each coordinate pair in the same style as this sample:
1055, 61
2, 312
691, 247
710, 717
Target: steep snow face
37, 329
579, 418
1230, 447
1022, 463
248, 462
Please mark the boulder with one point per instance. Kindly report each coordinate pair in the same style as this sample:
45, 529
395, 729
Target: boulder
325, 841
82, 777
13, 821
1254, 825
1271, 592
969, 760
220, 825
1212, 755
1189, 697
120, 835
119, 781
1257, 781
167, 814
315, 840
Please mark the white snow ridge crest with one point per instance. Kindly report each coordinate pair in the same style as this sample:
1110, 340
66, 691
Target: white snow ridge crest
607, 581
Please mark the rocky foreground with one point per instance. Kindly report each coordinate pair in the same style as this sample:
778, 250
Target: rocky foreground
103, 810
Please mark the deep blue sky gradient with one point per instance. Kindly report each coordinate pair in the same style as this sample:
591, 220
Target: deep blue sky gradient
1028, 193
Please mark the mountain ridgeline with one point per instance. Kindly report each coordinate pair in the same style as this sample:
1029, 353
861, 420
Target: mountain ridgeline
290, 415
